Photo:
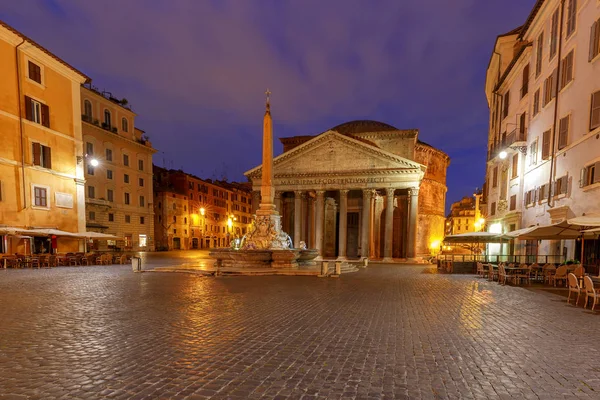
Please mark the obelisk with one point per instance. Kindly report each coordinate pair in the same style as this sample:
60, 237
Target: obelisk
267, 192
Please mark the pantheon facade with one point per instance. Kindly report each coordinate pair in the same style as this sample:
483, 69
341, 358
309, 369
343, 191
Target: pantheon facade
360, 189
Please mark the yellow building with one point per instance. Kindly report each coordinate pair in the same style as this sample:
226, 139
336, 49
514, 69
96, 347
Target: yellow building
466, 216
41, 182
118, 172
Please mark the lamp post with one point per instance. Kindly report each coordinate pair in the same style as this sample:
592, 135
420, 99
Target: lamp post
202, 212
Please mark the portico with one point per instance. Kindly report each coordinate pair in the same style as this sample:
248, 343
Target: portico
347, 198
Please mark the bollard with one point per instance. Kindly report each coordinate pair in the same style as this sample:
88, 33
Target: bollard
365, 262
136, 264
324, 269
338, 269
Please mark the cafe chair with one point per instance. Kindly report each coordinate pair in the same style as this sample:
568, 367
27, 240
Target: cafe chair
590, 292
573, 287
560, 275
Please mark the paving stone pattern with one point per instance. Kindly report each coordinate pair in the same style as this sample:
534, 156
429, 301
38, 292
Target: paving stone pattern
384, 332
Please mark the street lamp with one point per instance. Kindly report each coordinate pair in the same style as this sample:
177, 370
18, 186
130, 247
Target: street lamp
94, 162
202, 223
503, 154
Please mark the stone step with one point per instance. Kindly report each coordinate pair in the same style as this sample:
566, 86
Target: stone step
346, 267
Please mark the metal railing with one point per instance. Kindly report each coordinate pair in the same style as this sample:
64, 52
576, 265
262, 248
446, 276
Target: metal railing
509, 258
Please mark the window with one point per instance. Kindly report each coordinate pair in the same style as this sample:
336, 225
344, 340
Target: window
522, 126
536, 102
515, 166
87, 110
126, 198
594, 40
35, 72
141, 165
566, 74
571, 17
110, 195
533, 149
561, 185
174, 219
542, 193
111, 217
554, 34
126, 178
513, 202
185, 220
159, 205
128, 219
525, 86
90, 169
89, 148
126, 160
546, 145
590, 175
141, 182
41, 155
37, 112
595, 111
174, 231
124, 125
506, 99
539, 55
563, 132
91, 192
495, 177
142, 220
143, 240
529, 197
107, 119
109, 174
92, 216
40, 196
108, 155
493, 209
142, 201
550, 88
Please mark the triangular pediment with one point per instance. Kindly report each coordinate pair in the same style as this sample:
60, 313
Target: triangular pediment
331, 152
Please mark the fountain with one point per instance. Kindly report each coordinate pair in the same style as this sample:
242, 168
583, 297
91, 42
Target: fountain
265, 245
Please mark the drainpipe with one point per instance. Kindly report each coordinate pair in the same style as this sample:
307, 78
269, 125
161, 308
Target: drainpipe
555, 118
21, 123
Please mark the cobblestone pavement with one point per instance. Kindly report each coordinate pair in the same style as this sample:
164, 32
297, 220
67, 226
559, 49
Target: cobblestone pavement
384, 332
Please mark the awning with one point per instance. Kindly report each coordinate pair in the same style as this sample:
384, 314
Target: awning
98, 235
562, 230
515, 234
586, 220
48, 232
475, 237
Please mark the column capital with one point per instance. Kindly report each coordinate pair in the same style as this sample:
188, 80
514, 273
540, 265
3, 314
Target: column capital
320, 193
389, 192
278, 194
368, 193
413, 191
344, 192
298, 193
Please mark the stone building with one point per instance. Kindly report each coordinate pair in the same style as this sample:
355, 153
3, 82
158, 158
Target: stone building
194, 213
41, 180
543, 91
363, 188
466, 215
119, 188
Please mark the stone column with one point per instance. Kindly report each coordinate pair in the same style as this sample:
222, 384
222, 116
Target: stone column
297, 218
413, 199
389, 225
343, 225
255, 200
366, 223
319, 215
311, 222
278, 201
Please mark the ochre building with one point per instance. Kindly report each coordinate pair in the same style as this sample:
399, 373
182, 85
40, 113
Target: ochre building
360, 189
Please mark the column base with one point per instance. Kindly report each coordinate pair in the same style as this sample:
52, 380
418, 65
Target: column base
341, 258
387, 260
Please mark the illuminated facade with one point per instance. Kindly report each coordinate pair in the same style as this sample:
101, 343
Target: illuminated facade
363, 188
543, 91
41, 182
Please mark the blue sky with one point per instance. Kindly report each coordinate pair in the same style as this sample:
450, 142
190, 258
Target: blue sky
195, 71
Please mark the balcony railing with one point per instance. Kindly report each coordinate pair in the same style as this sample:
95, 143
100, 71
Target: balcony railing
516, 136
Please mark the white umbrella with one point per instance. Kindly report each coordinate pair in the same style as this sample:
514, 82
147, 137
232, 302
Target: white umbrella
98, 235
475, 237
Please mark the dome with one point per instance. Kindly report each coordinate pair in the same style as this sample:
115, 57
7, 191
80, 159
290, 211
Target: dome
362, 126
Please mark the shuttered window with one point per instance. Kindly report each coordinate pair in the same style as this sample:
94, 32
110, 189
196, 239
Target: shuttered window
41, 155
91, 192
566, 74
35, 72
495, 177
536, 102
550, 85
554, 34
563, 132
595, 111
525, 85
594, 40
110, 195
513, 202
590, 175
37, 112
40, 196
533, 153
515, 166
539, 54
571, 17
546, 145
506, 99
560, 186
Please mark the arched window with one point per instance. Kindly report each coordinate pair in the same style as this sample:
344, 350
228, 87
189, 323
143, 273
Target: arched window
107, 118
87, 109
124, 125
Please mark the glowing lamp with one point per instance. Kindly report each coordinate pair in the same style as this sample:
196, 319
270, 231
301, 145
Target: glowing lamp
503, 155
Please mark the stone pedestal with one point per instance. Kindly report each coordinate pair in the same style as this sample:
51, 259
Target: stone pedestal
266, 233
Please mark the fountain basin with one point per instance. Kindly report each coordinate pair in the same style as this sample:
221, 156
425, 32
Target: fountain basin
285, 258
307, 257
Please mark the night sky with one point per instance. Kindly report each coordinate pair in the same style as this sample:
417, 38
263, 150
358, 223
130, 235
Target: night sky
196, 71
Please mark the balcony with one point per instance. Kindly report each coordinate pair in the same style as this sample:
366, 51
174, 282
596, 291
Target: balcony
516, 138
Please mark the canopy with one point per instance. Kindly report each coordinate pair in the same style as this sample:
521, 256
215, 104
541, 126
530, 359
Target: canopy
98, 235
560, 231
519, 232
586, 220
48, 232
475, 237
